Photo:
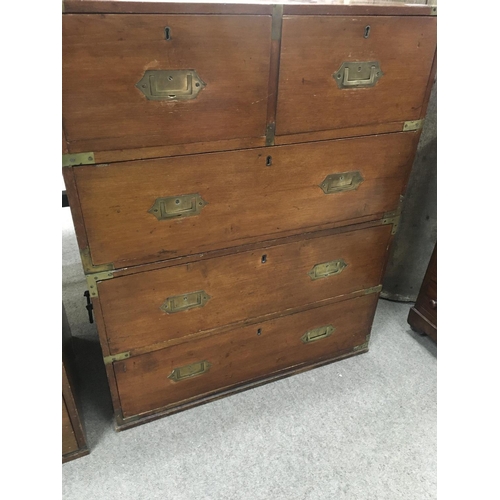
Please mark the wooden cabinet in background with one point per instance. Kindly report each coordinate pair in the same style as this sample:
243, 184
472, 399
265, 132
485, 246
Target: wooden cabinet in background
423, 315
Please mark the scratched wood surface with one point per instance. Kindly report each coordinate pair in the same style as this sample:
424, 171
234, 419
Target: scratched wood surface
313, 48
247, 199
105, 56
240, 287
243, 354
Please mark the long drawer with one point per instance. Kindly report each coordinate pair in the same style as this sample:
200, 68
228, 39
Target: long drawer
194, 369
145, 211
170, 303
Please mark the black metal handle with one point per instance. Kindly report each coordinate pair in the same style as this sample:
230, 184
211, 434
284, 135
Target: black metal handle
89, 306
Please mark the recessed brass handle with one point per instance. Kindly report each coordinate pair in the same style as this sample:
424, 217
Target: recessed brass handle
185, 302
357, 83
343, 181
357, 74
317, 334
171, 207
170, 84
327, 269
189, 371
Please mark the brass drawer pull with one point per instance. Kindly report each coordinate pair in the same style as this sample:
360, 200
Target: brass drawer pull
357, 74
344, 181
185, 302
189, 371
171, 207
317, 334
327, 269
170, 84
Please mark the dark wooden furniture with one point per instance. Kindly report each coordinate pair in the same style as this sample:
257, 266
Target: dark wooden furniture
423, 315
73, 438
235, 174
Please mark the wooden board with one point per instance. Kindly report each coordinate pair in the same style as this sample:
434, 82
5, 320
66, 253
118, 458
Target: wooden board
240, 287
247, 200
327, 7
313, 48
69, 444
74, 444
241, 355
105, 56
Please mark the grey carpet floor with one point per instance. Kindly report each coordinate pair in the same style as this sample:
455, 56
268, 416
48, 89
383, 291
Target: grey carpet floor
362, 428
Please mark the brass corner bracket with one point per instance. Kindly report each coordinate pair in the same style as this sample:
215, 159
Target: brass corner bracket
116, 357
76, 159
270, 132
93, 279
393, 216
373, 289
277, 22
434, 11
364, 345
413, 125
89, 267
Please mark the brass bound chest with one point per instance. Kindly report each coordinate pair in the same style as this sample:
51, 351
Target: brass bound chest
235, 174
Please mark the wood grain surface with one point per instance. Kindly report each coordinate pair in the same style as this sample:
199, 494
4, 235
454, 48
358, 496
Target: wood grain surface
69, 443
240, 287
105, 56
314, 47
327, 7
247, 200
241, 355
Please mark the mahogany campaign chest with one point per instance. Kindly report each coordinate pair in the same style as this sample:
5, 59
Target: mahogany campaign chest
235, 174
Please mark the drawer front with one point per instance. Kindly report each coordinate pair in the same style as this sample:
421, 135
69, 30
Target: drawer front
192, 369
125, 85
314, 55
145, 211
69, 443
170, 303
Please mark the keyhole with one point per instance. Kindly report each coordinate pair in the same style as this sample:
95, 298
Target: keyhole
259, 331
167, 33
264, 259
269, 161
367, 31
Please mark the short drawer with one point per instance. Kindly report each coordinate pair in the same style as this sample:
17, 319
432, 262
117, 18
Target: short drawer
148, 211
197, 368
340, 72
171, 303
134, 81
